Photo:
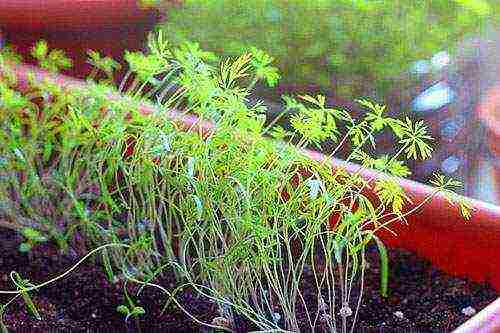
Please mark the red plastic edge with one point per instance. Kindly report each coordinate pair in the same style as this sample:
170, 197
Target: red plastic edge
69, 15
437, 232
109, 26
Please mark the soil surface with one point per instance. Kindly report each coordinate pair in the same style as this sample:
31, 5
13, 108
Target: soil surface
421, 298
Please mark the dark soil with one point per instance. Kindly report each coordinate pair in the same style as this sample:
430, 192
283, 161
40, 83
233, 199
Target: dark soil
428, 300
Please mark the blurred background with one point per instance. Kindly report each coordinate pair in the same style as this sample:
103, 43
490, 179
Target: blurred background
437, 60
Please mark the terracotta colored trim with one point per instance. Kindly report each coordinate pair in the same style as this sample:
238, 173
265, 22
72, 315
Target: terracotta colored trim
69, 15
109, 26
437, 233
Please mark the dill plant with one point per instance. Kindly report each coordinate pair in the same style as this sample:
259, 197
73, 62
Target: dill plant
238, 217
45, 157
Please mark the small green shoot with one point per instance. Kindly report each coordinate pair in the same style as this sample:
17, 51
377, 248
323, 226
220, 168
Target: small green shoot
53, 60
129, 309
384, 265
33, 237
23, 285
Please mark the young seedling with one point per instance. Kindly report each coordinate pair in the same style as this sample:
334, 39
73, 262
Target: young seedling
53, 60
130, 309
32, 237
23, 285
3, 328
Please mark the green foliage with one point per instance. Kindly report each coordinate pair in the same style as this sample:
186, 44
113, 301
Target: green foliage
105, 64
23, 285
446, 186
145, 66
415, 139
391, 194
358, 47
33, 237
49, 152
235, 216
3, 327
130, 309
384, 266
149, 3
53, 60
263, 71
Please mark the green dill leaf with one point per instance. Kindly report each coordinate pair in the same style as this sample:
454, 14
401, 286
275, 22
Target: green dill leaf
391, 194
415, 139
145, 66
399, 169
261, 63
40, 50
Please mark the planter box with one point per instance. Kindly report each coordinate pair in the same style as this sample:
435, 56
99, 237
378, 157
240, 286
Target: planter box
437, 232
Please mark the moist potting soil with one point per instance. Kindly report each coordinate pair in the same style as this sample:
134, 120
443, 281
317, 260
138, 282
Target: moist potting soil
421, 298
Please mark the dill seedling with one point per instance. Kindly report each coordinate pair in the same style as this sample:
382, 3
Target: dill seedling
237, 217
